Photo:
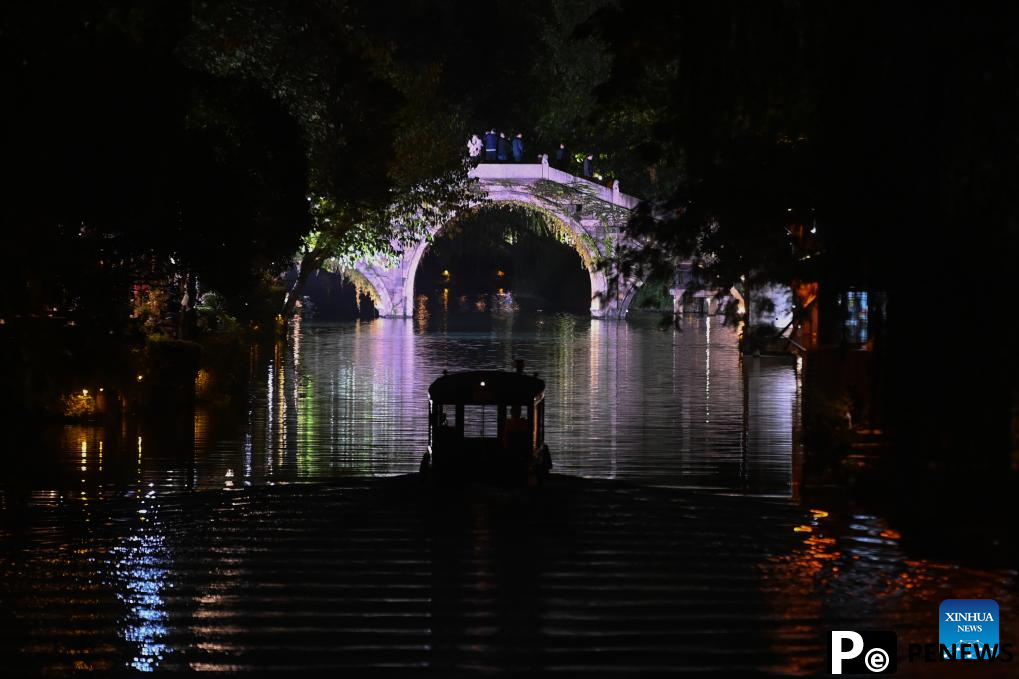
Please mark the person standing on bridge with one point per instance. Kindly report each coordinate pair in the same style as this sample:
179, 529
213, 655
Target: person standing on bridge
518, 147
562, 157
474, 146
504, 148
587, 170
491, 141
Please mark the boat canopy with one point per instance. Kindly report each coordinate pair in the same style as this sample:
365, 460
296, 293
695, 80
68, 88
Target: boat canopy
487, 387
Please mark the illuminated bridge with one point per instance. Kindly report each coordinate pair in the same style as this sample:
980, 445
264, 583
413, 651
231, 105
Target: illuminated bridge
588, 215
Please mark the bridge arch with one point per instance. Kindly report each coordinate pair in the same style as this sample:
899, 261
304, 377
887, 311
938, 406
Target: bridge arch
591, 217
364, 281
561, 224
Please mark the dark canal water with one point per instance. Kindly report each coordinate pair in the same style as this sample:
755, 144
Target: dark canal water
272, 540
625, 401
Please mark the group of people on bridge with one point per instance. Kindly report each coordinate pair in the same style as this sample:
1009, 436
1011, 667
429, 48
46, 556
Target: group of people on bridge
497, 147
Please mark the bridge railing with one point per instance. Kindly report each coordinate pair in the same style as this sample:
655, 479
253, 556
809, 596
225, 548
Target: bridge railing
534, 171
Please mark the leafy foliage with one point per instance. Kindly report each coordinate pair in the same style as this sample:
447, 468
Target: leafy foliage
158, 170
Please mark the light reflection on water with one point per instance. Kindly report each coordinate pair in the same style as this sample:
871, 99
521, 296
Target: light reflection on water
625, 401
854, 567
138, 564
139, 567
203, 582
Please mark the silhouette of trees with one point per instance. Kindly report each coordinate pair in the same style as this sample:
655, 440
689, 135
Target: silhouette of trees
888, 129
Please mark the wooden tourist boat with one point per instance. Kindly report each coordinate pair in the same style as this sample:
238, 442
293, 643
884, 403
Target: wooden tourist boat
488, 426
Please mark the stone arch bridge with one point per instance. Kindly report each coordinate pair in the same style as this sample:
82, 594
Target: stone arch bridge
590, 216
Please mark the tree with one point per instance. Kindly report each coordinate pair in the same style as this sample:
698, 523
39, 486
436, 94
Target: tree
385, 149
708, 114
175, 172
131, 168
891, 130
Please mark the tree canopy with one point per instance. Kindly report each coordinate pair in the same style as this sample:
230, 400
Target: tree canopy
888, 129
